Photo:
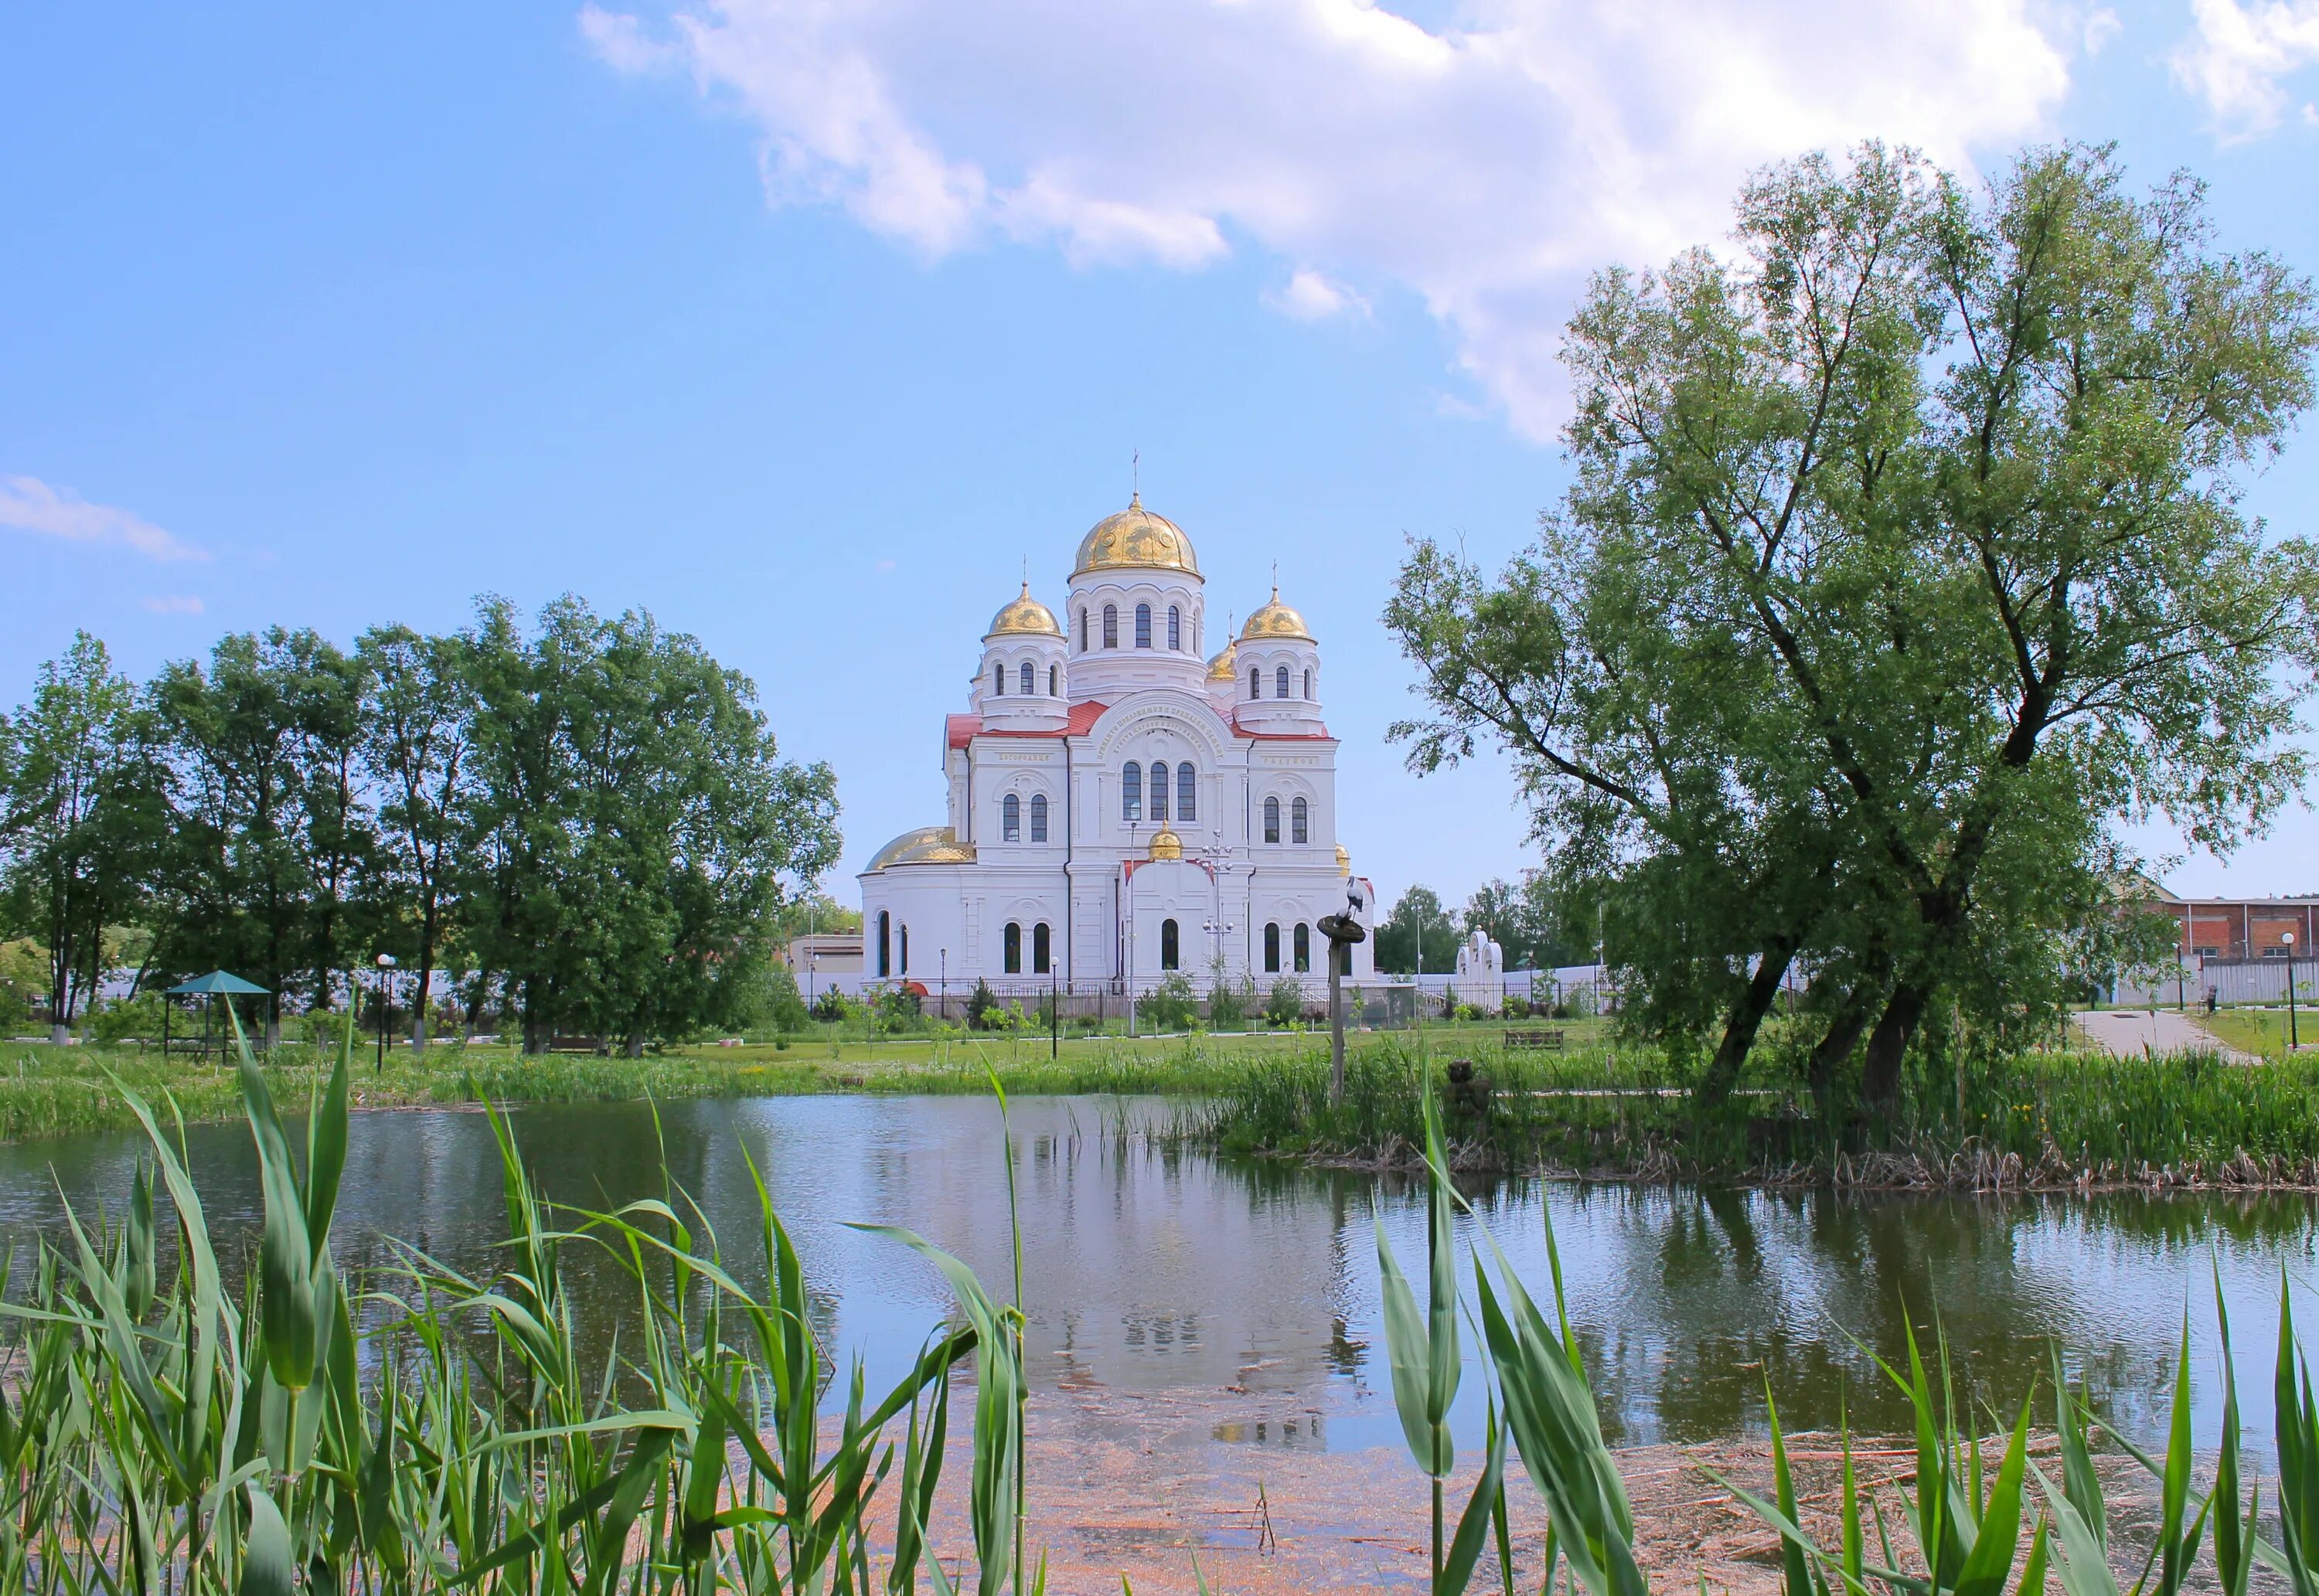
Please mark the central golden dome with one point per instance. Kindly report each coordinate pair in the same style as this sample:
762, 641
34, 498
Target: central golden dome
1024, 617
1135, 540
1275, 620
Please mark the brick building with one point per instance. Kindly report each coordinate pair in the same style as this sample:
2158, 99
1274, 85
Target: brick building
2228, 928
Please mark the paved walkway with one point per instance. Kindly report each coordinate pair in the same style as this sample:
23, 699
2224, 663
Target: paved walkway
2127, 1032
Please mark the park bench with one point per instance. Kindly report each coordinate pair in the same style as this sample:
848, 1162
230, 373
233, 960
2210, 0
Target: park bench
1549, 1041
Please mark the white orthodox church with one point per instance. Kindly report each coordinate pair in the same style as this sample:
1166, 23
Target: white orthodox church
1122, 806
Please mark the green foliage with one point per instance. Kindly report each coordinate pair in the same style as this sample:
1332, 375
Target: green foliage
1231, 1003
1284, 1006
1170, 1006
1418, 921
982, 1010
126, 1018
1903, 555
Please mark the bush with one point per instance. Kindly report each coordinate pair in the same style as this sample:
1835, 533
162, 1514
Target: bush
1170, 1006
831, 1007
1284, 1006
1517, 1007
982, 1011
130, 1016
897, 1009
1230, 1004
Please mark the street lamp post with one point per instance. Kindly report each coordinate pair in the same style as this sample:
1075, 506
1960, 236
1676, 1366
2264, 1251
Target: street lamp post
812, 970
386, 975
2293, 1040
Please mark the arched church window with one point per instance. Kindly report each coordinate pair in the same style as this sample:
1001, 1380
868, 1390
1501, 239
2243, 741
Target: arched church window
1083, 635
1308, 687
1143, 625
1280, 682
1175, 630
1187, 804
1304, 948
1159, 790
1010, 818
1038, 816
1131, 792
1299, 817
1255, 679
1111, 626
1040, 945
1272, 820
1272, 949
998, 680
1029, 681
885, 945
1013, 948
1167, 944
906, 950
1054, 681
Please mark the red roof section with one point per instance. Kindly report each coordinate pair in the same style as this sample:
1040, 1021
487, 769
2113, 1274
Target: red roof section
966, 728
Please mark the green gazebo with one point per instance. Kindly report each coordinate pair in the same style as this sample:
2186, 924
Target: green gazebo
209, 989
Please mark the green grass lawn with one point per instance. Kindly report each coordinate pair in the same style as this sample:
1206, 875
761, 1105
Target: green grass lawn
2261, 1032
51, 1091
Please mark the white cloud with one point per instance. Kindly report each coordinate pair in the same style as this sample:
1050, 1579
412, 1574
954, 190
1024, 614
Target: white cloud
30, 505
2239, 57
1311, 296
1486, 167
174, 604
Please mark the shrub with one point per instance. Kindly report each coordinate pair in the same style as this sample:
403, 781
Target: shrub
130, 1016
982, 1011
1230, 1004
897, 1009
1284, 1004
1517, 1007
1170, 1006
831, 1007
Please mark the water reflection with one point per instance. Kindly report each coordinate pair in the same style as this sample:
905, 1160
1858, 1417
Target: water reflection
1243, 1296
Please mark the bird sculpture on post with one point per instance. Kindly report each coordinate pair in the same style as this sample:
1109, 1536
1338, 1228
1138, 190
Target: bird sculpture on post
1343, 932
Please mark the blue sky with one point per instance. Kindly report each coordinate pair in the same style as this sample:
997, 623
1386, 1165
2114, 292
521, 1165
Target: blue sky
805, 326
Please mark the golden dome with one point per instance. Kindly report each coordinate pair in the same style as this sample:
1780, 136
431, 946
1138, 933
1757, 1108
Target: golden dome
1166, 845
929, 845
1344, 861
1224, 668
1275, 620
1135, 540
1024, 616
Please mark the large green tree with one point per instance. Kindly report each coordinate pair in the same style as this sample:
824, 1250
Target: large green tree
634, 828
272, 829
80, 818
1418, 924
1904, 552
417, 736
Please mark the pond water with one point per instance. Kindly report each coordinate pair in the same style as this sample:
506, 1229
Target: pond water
1239, 1301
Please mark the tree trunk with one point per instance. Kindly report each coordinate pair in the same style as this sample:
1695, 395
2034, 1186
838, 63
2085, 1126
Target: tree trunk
1843, 1032
1745, 1019
59, 1033
1888, 1044
634, 1048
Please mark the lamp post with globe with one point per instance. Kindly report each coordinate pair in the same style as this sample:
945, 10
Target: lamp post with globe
2293, 1040
386, 974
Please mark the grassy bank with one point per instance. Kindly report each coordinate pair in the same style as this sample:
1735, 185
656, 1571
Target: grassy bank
46, 1091
2040, 1119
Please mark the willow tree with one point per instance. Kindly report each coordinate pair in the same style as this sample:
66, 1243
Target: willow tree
1905, 539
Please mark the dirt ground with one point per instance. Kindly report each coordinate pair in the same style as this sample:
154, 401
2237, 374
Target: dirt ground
1141, 1490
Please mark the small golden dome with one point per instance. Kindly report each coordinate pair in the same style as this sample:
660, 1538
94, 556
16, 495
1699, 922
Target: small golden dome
1224, 668
1344, 861
1135, 540
1166, 845
1024, 617
1275, 620
928, 845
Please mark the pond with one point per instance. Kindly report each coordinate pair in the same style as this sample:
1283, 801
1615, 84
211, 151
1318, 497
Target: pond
1210, 1303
